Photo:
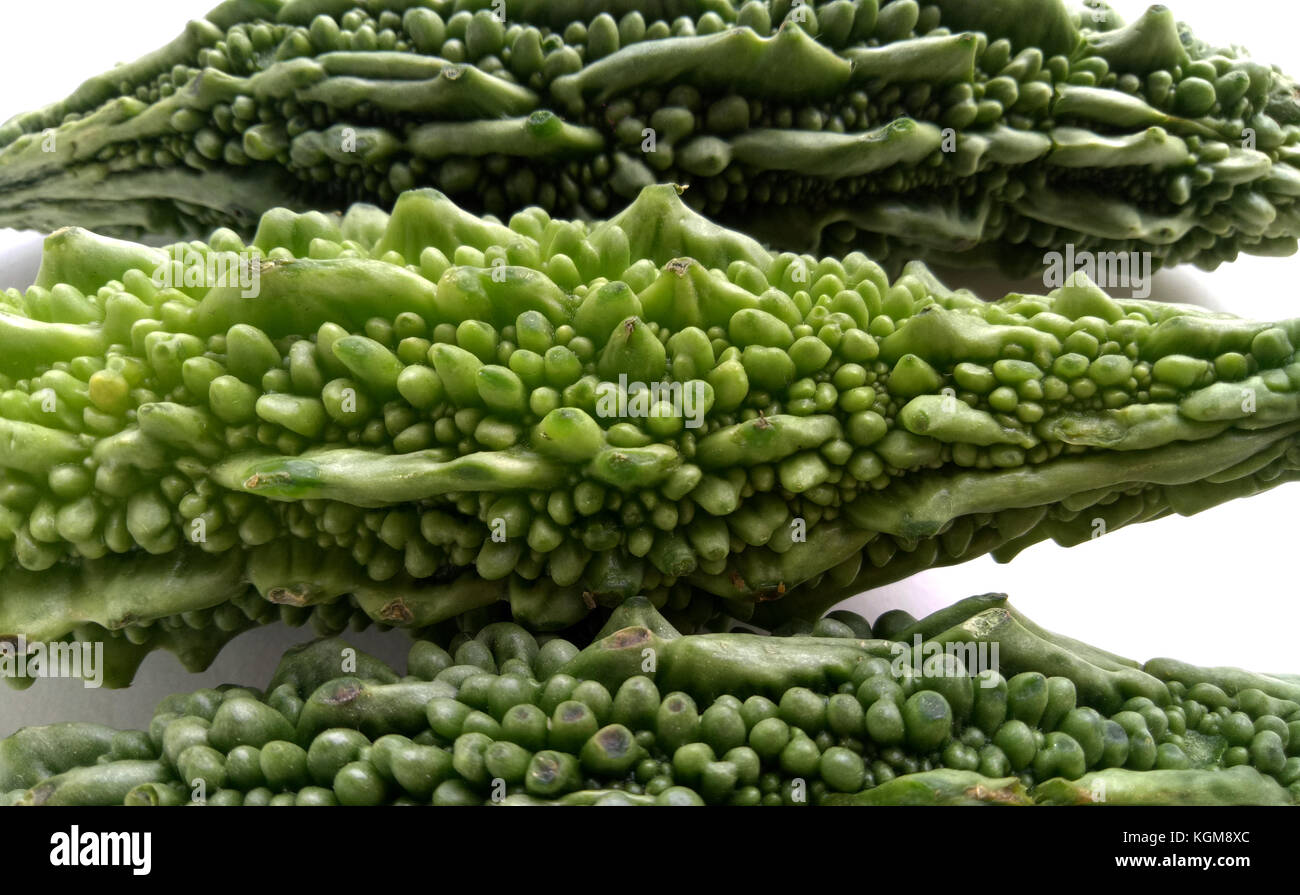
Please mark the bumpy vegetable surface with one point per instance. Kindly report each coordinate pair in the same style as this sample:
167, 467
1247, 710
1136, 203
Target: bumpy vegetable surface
962, 130
646, 716
437, 412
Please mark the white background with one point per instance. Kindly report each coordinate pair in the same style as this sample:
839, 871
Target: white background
1218, 588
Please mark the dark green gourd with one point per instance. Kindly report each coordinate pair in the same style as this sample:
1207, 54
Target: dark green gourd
974, 705
958, 130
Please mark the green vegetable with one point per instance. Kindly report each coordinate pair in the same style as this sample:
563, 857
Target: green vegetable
139, 509
966, 131
647, 716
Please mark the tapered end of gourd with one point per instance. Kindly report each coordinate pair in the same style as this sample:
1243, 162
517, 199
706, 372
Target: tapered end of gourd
661, 226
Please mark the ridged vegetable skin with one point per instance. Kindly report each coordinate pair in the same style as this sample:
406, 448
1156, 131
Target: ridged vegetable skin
961, 130
645, 716
430, 414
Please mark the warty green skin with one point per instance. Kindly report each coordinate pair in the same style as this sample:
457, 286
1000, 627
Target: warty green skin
432, 414
823, 718
954, 130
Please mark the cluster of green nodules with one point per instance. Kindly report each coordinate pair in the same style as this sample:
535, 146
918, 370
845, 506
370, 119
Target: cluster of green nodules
832, 716
434, 412
945, 129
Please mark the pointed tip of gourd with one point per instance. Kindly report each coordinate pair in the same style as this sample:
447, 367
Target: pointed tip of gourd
661, 226
656, 199
637, 613
1080, 297
427, 218
79, 257
1146, 44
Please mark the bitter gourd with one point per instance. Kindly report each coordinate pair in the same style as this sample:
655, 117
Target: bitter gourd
646, 716
434, 412
961, 130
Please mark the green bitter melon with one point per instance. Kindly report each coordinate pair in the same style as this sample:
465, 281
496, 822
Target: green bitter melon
958, 130
830, 716
428, 413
